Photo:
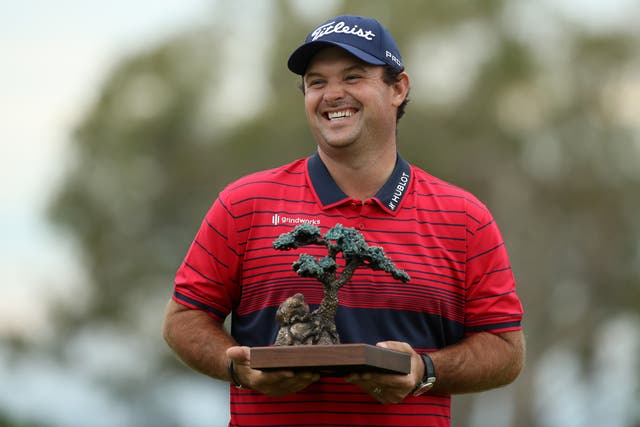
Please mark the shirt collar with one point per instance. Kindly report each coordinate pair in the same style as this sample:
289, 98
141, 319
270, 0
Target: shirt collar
389, 197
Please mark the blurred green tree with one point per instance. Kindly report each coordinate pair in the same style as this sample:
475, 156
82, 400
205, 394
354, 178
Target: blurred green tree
542, 135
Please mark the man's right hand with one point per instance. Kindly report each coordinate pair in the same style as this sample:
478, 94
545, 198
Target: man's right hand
273, 383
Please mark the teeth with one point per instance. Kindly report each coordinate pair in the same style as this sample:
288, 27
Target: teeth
339, 114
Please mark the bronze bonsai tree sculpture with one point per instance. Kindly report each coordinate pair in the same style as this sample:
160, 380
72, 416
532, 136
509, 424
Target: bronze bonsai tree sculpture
299, 326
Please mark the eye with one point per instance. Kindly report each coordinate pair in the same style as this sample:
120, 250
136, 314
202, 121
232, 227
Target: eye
315, 83
353, 77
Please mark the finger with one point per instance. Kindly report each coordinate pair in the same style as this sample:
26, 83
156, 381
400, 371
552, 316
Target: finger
239, 354
394, 386
309, 376
282, 383
395, 345
359, 376
302, 380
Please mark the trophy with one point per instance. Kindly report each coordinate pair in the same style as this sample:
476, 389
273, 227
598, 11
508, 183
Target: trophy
309, 340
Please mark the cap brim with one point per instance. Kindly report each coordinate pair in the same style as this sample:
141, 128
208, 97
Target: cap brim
299, 59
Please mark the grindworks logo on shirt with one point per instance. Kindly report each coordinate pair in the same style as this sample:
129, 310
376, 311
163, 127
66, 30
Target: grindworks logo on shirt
278, 219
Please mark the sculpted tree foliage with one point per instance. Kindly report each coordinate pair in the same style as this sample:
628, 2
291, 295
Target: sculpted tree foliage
298, 325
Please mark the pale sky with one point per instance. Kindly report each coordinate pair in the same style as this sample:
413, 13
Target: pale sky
54, 57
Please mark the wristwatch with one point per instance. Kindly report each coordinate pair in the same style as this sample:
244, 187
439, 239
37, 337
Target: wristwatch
429, 378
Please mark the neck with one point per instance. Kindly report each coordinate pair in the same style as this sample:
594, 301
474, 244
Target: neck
361, 177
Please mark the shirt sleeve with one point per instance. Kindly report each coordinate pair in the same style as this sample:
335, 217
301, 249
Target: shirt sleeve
492, 304
208, 277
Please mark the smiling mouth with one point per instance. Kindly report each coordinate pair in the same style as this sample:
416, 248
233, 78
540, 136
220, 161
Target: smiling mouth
337, 115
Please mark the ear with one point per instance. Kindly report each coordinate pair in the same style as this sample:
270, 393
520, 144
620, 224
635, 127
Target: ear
400, 89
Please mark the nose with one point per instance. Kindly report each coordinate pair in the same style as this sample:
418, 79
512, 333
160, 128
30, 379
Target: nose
333, 92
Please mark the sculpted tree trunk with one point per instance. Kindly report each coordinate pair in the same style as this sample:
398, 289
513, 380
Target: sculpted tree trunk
299, 326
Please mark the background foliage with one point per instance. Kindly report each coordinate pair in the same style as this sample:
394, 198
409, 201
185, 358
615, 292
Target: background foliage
539, 117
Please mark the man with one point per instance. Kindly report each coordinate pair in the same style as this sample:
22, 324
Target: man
458, 317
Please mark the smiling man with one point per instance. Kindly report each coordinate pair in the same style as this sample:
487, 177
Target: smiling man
459, 317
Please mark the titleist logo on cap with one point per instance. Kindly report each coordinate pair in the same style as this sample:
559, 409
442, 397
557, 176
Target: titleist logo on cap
364, 38
343, 28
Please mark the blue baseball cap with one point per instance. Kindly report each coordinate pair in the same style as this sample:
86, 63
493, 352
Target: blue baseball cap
365, 38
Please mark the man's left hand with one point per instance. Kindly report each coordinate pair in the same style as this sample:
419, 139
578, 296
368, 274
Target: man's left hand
390, 388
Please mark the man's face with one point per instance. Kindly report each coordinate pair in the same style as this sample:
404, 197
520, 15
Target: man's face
347, 103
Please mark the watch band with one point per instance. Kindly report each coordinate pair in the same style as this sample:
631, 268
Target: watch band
232, 374
429, 369
429, 377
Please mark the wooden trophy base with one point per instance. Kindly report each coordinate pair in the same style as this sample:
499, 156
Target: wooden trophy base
331, 360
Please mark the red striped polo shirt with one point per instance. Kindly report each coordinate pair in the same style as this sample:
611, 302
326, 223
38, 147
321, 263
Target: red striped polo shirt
443, 236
